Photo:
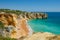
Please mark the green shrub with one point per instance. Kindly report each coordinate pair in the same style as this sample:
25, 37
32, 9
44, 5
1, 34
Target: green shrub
7, 38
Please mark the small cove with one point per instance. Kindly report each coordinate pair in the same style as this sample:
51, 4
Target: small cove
51, 24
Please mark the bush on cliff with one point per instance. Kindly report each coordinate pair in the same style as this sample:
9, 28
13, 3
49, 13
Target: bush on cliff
1, 25
11, 11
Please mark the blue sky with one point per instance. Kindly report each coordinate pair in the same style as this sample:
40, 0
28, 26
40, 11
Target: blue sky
32, 5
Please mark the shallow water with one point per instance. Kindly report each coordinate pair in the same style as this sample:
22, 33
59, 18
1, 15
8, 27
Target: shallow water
51, 24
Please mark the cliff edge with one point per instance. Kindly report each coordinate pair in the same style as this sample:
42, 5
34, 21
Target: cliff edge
43, 36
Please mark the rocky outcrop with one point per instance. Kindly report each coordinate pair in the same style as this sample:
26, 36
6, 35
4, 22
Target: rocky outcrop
34, 15
8, 19
14, 27
43, 36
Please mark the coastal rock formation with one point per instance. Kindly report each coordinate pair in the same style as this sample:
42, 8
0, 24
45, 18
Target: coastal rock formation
16, 26
8, 19
34, 15
43, 36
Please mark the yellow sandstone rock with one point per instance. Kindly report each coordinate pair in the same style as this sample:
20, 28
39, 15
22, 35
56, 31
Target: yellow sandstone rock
16, 26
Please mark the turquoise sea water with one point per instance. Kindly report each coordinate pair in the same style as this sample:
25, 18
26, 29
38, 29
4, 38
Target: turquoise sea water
51, 24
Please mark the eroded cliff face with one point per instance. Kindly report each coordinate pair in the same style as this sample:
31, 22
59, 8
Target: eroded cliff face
16, 26
33, 15
8, 19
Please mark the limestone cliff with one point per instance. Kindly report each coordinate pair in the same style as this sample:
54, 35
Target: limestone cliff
16, 26
33, 15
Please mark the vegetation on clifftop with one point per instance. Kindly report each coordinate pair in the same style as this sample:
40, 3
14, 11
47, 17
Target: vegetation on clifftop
12, 11
15, 11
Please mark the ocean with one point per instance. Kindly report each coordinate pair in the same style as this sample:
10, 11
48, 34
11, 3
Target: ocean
51, 24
